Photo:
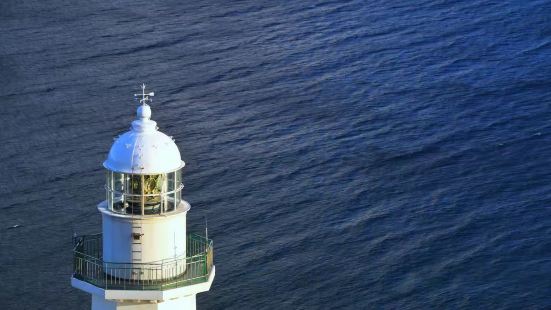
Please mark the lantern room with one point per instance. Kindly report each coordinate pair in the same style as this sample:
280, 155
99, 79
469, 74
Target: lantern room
144, 170
141, 194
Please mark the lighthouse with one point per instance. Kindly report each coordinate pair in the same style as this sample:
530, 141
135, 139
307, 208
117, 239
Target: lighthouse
144, 259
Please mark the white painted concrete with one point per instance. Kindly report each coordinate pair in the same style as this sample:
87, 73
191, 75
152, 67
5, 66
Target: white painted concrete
144, 149
182, 298
164, 236
133, 295
184, 303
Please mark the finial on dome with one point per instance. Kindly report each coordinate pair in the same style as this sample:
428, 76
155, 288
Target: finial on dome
144, 111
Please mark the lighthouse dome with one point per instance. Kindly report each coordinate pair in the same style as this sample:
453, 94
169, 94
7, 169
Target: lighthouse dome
144, 149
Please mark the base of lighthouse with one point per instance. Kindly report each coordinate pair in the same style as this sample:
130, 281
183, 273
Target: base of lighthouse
182, 298
187, 303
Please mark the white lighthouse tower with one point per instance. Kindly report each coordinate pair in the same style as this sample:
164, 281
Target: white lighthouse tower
144, 259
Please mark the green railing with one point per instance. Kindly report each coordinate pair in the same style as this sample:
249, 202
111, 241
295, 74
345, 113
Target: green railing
89, 266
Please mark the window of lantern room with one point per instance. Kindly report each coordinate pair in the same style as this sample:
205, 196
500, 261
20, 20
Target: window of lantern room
169, 205
115, 191
173, 191
143, 194
132, 202
152, 189
177, 187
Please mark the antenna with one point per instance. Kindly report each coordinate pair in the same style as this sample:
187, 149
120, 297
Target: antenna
206, 229
145, 96
175, 245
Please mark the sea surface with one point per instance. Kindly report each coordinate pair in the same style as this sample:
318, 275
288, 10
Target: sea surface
347, 154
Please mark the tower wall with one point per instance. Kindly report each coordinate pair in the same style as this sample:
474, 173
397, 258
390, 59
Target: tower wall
145, 239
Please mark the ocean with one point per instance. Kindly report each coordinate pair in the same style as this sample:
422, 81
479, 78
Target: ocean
347, 154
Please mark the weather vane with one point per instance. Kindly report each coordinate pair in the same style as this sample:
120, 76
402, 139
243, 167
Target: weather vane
145, 97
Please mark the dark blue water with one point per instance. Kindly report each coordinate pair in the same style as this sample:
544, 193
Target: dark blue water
348, 155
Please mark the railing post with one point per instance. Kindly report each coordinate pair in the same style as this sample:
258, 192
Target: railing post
104, 273
205, 265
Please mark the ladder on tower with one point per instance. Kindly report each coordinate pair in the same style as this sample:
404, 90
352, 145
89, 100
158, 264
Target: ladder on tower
137, 234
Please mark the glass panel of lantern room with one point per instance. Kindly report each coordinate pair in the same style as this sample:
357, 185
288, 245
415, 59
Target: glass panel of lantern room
108, 192
116, 187
152, 187
178, 177
142, 198
118, 202
177, 188
170, 181
170, 189
170, 205
164, 197
118, 182
133, 193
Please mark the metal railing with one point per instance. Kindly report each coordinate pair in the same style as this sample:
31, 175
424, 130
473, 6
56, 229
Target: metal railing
89, 266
